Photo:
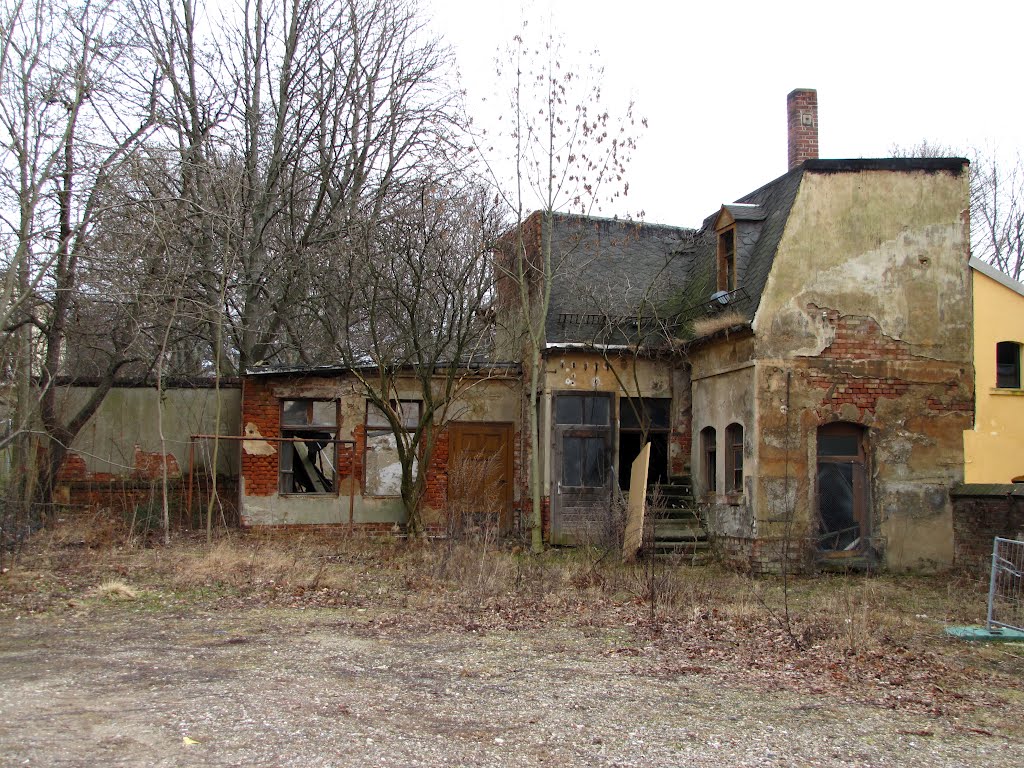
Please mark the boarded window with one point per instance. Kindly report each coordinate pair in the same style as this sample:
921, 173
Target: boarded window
308, 463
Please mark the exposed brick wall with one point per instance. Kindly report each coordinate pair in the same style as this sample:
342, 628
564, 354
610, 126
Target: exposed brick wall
803, 134
860, 340
127, 497
980, 513
145, 466
261, 409
765, 555
435, 495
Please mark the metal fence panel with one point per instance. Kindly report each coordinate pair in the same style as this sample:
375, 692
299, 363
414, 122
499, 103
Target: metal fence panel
1005, 585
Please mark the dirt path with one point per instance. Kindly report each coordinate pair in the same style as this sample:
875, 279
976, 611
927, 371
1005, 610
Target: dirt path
127, 685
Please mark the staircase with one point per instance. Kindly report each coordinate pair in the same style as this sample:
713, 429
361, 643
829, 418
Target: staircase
674, 528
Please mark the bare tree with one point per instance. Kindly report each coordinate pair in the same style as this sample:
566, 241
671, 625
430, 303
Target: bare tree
76, 102
568, 153
411, 314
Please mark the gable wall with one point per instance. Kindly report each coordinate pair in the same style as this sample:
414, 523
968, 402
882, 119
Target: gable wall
866, 318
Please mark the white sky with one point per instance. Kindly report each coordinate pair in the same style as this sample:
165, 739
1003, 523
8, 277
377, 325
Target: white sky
712, 78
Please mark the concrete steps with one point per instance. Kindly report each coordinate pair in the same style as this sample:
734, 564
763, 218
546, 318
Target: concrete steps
674, 526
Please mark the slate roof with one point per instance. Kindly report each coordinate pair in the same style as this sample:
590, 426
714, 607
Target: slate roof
606, 270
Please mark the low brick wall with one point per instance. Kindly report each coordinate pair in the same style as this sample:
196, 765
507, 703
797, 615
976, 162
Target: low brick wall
141, 499
980, 513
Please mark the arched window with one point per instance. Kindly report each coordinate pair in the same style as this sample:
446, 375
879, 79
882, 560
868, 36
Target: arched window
1008, 365
734, 458
709, 450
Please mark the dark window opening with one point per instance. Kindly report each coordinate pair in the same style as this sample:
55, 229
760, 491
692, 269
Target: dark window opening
709, 451
734, 458
727, 260
582, 409
308, 464
1008, 365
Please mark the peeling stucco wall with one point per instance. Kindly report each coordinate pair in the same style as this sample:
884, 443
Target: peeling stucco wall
866, 318
723, 388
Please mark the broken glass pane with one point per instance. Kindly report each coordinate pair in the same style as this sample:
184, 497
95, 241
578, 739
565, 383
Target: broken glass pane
840, 529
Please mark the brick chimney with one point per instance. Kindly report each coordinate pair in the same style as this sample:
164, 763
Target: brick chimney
802, 110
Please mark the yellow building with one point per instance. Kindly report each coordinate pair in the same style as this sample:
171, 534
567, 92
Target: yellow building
994, 449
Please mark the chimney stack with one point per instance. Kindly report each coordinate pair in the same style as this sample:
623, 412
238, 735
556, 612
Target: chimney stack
802, 109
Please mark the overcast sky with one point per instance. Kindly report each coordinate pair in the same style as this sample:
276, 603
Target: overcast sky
712, 79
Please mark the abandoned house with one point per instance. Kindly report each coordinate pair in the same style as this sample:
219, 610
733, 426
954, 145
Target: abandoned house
803, 358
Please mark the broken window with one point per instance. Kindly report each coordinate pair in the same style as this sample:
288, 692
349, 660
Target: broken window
734, 458
1008, 365
727, 260
383, 465
709, 451
842, 489
308, 463
644, 419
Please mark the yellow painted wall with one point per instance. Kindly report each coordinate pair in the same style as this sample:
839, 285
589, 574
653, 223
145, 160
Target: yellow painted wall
994, 449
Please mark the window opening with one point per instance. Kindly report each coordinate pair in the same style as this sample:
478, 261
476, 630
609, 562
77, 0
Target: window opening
709, 448
727, 260
734, 458
308, 464
1008, 365
383, 467
583, 427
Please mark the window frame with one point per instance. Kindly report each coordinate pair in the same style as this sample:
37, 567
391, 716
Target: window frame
383, 428
286, 458
709, 458
727, 279
734, 458
1014, 375
585, 431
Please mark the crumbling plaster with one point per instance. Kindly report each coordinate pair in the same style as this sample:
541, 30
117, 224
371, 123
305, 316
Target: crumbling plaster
890, 246
866, 318
481, 399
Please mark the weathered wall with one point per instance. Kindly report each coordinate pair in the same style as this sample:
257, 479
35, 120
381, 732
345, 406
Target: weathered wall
980, 513
994, 447
123, 438
624, 374
866, 318
723, 384
481, 399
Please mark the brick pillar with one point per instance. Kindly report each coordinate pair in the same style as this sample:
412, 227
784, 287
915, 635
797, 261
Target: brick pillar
802, 111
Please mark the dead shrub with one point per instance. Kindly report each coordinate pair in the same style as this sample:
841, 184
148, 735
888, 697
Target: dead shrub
115, 589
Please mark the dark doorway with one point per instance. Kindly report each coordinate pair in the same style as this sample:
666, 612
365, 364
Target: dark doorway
638, 415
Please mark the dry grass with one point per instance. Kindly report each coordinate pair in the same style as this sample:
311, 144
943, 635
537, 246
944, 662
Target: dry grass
115, 589
852, 613
709, 325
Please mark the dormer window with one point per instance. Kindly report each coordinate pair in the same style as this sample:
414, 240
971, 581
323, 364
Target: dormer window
727, 259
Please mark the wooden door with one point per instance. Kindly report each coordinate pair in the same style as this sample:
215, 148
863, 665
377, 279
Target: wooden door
582, 467
480, 471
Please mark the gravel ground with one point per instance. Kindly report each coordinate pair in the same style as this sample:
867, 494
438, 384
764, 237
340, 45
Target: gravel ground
122, 684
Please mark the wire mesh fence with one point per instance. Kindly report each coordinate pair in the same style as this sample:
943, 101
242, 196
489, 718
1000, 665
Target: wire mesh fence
1005, 608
